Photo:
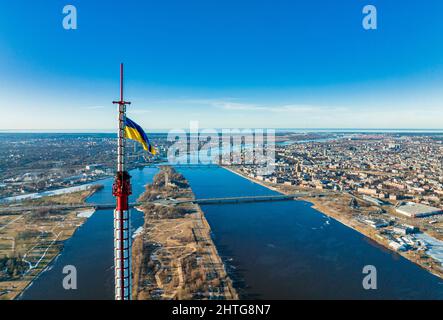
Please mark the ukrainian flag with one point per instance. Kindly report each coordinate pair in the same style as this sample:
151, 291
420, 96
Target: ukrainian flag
134, 132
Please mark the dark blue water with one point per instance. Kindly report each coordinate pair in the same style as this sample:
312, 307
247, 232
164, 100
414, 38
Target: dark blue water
287, 250
90, 250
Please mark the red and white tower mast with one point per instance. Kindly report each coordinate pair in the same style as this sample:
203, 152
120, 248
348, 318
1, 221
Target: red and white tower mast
121, 190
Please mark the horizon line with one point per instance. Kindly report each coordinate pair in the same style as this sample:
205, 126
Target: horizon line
85, 131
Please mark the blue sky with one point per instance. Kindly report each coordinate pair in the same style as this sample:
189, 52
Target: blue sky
230, 63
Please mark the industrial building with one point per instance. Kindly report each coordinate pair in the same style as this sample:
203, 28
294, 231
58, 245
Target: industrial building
376, 223
416, 210
405, 229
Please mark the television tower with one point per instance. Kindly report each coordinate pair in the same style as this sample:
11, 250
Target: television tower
121, 190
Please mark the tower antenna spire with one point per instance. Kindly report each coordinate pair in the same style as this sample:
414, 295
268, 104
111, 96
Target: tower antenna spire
122, 101
121, 82
121, 190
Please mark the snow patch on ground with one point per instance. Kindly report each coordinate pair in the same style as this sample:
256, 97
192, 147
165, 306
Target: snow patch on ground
435, 246
137, 232
86, 213
47, 193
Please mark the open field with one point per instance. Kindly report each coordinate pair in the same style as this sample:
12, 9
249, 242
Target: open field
31, 240
174, 256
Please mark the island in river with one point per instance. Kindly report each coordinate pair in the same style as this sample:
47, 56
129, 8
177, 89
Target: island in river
174, 256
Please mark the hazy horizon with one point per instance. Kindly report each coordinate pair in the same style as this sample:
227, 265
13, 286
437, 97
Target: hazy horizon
278, 130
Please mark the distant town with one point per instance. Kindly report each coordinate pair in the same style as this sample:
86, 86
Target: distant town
32, 163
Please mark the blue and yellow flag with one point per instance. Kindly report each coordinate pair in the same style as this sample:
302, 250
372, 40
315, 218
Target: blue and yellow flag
134, 132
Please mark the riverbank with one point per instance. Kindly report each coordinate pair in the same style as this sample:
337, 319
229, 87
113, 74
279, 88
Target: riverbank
30, 241
174, 256
337, 206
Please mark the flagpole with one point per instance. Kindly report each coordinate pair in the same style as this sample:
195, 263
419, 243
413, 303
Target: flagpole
121, 190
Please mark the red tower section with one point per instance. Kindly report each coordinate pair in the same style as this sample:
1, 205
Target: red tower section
121, 189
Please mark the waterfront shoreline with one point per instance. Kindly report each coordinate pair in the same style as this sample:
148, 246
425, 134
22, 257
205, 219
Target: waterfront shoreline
352, 224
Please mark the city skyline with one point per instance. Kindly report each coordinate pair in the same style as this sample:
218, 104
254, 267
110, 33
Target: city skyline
277, 65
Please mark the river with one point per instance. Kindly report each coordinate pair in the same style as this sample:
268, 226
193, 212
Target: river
273, 250
288, 250
90, 250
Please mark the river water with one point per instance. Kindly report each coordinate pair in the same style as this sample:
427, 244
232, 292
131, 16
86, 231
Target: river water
287, 250
275, 250
90, 250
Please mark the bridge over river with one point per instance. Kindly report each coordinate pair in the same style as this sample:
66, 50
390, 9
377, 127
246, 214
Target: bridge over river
208, 201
